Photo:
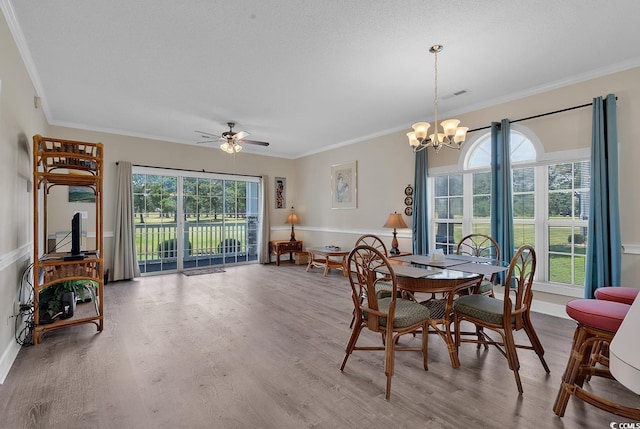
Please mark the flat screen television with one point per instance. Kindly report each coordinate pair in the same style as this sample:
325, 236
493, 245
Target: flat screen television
76, 238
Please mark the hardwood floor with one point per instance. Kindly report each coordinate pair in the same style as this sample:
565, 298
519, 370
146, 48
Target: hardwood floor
261, 346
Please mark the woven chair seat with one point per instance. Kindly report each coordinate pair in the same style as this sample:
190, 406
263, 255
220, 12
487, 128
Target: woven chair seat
481, 307
407, 312
485, 286
437, 308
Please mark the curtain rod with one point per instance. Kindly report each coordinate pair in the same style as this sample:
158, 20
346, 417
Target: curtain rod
193, 171
538, 116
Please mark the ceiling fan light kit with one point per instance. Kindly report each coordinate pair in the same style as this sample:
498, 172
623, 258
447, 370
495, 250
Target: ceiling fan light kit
231, 142
230, 147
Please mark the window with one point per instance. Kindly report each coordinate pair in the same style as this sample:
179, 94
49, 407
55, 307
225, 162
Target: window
568, 213
550, 205
448, 206
524, 206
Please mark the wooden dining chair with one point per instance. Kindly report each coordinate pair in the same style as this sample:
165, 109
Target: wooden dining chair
482, 246
383, 286
373, 313
373, 241
504, 317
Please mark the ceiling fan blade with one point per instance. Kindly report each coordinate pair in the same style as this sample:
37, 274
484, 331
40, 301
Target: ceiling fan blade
206, 134
240, 135
206, 141
255, 142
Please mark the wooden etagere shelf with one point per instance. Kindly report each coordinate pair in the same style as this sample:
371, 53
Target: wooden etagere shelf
58, 162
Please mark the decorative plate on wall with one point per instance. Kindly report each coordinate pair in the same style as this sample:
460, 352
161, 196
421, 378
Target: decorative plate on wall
408, 201
408, 211
408, 190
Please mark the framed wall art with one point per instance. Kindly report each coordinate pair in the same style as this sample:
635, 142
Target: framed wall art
344, 186
81, 194
281, 192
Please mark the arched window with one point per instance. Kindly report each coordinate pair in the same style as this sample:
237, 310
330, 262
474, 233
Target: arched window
479, 152
550, 205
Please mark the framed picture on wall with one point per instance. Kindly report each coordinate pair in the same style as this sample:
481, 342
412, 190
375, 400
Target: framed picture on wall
81, 194
344, 185
281, 192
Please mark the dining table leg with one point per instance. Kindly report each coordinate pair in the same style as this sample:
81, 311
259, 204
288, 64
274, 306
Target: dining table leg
442, 313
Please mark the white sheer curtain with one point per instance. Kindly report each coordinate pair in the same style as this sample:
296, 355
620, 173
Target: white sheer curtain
125, 263
263, 246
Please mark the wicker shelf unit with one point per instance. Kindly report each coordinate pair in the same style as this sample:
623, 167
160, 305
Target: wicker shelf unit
58, 162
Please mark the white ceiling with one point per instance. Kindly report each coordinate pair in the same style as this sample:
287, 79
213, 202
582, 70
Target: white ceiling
306, 75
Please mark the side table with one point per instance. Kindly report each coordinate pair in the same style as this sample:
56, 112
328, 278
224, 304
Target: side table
327, 258
278, 247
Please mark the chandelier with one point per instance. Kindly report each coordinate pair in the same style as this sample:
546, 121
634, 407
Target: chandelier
452, 136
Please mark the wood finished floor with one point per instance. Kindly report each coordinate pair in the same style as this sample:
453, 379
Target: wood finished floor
260, 347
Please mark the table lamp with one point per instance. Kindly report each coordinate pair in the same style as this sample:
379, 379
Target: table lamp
293, 220
395, 221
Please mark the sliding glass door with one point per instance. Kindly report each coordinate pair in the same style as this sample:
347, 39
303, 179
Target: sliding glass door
192, 219
221, 217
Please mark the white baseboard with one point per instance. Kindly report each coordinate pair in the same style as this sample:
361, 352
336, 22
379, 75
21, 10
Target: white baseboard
543, 307
8, 357
549, 308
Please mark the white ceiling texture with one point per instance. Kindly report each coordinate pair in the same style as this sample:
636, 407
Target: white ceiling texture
306, 75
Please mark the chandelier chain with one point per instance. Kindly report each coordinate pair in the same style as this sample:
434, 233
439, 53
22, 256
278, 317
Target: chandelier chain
435, 100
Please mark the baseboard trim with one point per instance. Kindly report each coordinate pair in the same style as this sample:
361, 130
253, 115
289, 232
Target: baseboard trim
557, 310
8, 357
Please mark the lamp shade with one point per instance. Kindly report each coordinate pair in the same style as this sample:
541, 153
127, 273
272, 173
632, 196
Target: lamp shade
292, 219
420, 130
395, 220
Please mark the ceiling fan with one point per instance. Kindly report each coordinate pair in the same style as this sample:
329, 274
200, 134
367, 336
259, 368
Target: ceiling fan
231, 141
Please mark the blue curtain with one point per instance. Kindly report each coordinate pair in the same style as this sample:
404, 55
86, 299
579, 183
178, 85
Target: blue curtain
604, 246
420, 206
501, 197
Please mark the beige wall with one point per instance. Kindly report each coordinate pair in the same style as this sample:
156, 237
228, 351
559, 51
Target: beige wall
19, 120
384, 168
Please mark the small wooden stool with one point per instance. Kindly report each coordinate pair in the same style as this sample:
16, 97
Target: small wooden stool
625, 295
598, 322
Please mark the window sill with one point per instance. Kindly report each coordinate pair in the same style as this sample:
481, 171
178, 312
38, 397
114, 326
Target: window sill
559, 289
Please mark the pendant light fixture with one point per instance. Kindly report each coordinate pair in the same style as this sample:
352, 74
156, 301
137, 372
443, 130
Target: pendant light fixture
452, 135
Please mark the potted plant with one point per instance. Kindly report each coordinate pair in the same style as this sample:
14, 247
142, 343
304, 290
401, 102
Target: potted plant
59, 300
